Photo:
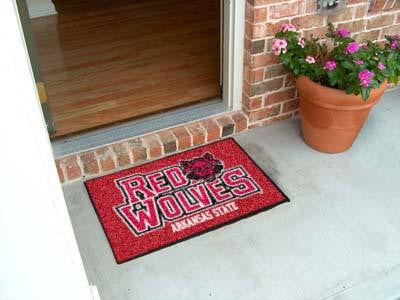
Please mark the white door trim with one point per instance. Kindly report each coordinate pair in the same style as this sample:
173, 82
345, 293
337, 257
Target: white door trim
234, 15
39, 254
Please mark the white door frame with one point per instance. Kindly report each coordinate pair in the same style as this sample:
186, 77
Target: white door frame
39, 253
233, 53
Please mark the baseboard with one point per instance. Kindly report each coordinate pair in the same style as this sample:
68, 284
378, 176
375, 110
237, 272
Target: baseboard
41, 10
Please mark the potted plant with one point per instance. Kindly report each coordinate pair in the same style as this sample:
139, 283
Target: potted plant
338, 80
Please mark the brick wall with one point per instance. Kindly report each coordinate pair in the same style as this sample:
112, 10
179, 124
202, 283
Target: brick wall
136, 150
269, 93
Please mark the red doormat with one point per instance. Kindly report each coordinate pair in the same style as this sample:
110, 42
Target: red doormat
157, 204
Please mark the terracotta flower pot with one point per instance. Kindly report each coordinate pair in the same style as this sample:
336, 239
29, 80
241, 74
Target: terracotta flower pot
330, 119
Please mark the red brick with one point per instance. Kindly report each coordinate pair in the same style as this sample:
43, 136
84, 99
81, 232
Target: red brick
377, 6
258, 61
264, 113
254, 47
253, 76
382, 44
256, 75
153, 145
262, 2
212, 128
262, 30
106, 159
282, 10
345, 16
319, 32
138, 151
198, 133
256, 31
183, 137
356, 1
277, 118
391, 30
367, 35
308, 21
290, 105
168, 141
247, 57
240, 121
289, 81
248, 30
310, 6
122, 154
227, 126
254, 125
361, 11
60, 171
256, 15
251, 103
280, 96
260, 15
268, 46
272, 28
274, 71
246, 88
389, 5
249, 13
396, 5
71, 167
89, 163
354, 26
266, 86
380, 21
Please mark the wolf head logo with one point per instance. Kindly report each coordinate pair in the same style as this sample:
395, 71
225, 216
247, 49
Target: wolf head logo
205, 167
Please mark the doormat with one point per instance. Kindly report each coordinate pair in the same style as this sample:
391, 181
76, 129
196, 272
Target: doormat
159, 203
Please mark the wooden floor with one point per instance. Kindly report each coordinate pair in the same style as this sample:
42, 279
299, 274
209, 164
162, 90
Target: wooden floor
108, 61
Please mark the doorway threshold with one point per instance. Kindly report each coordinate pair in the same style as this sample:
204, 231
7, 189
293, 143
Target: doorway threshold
96, 138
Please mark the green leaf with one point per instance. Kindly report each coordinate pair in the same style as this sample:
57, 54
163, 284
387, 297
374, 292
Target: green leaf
394, 79
347, 65
285, 60
365, 93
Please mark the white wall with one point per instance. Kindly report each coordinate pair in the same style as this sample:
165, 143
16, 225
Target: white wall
40, 8
39, 257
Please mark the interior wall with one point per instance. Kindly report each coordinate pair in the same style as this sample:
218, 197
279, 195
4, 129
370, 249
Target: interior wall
40, 8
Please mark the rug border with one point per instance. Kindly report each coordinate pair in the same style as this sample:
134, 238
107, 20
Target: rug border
245, 216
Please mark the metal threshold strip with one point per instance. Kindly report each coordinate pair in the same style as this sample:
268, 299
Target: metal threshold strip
104, 136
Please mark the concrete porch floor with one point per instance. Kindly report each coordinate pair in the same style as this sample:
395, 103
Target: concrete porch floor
338, 238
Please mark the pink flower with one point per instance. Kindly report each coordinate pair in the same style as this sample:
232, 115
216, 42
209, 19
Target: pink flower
394, 44
330, 65
352, 48
301, 42
342, 32
365, 77
310, 59
279, 46
397, 36
288, 27
359, 62
381, 66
